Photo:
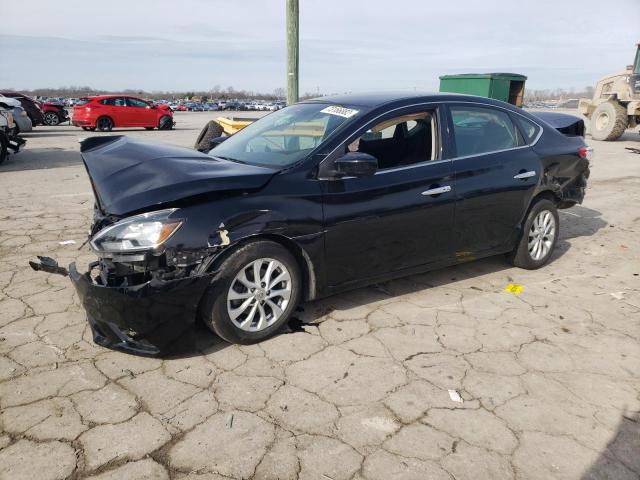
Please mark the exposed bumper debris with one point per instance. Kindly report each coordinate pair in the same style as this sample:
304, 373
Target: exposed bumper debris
144, 318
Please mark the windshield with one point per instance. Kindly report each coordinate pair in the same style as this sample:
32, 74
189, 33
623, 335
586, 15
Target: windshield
285, 136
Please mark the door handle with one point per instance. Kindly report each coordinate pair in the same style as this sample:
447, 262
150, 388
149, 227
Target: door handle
525, 175
437, 191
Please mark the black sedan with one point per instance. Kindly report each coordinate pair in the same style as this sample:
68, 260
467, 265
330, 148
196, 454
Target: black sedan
319, 197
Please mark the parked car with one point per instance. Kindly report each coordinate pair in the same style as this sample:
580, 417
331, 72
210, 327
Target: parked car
32, 108
105, 112
22, 120
230, 105
320, 197
53, 113
9, 132
6, 125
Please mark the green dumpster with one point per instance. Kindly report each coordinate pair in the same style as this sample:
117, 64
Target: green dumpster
508, 87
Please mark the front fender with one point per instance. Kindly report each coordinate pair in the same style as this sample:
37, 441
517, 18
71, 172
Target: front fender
239, 229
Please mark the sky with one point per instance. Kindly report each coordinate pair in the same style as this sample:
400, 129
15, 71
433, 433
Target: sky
345, 45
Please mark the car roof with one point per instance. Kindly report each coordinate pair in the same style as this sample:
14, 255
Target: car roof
94, 97
376, 99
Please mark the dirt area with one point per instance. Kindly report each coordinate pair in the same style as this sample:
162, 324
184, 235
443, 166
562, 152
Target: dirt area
365, 388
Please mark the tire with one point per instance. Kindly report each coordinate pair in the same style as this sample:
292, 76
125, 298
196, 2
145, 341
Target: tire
52, 119
525, 257
4, 148
165, 123
211, 130
104, 124
609, 121
89, 129
216, 308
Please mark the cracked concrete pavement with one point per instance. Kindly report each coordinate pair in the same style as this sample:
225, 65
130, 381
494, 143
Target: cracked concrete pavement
550, 378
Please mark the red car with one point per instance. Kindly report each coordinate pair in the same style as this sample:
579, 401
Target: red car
105, 112
54, 113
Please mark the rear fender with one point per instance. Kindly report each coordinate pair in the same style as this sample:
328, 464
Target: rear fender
566, 178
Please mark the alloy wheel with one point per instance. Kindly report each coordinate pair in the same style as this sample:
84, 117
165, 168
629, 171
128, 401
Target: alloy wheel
259, 294
51, 118
104, 124
542, 235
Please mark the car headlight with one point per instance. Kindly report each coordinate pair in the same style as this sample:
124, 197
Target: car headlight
140, 232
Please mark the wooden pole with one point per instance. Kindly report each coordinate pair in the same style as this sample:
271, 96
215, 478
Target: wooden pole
292, 51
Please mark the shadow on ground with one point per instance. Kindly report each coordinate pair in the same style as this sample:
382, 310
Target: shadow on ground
622, 454
581, 222
41, 158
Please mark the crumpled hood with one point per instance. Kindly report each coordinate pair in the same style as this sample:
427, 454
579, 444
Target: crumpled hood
129, 175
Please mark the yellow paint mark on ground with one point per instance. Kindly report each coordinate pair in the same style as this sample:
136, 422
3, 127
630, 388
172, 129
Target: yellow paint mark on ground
514, 288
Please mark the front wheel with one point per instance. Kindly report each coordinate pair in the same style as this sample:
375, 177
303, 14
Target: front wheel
609, 121
255, 294
52, 119
539, 236
165, 123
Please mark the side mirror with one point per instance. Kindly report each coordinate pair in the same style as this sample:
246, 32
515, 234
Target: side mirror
356, 164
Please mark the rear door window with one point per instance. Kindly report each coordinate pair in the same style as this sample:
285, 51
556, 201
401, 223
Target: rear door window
114, 102
479, 130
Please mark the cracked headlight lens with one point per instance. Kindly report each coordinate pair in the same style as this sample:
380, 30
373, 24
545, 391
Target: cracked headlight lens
140, 232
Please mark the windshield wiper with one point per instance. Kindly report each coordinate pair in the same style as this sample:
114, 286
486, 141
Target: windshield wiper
230, 159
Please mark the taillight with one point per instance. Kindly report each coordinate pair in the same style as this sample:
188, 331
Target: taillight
585, 152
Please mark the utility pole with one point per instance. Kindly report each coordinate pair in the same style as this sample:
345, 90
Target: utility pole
292, 51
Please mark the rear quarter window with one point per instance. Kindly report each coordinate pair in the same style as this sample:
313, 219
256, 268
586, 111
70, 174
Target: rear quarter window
529, 129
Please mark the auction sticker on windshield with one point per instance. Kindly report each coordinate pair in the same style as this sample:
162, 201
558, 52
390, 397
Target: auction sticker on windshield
340, 111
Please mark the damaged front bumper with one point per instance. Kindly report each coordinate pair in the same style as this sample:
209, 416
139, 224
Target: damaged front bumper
143, 319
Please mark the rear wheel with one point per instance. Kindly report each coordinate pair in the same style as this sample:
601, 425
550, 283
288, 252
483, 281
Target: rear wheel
609, 121
4, 144
104, 124
254, 295
52, 119
165, 123
539, 236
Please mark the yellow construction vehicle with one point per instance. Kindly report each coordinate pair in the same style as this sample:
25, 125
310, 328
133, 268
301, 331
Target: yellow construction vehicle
615, 105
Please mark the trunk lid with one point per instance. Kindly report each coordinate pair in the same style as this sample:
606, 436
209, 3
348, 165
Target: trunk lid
130, 175
569, 125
